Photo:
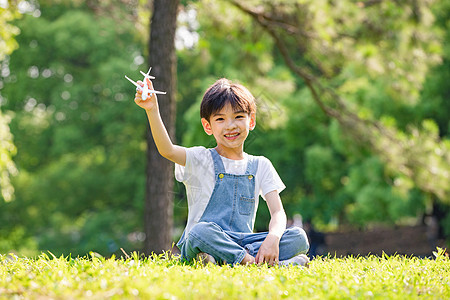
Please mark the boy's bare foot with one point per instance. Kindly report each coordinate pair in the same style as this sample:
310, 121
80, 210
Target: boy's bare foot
248, 260
205, 258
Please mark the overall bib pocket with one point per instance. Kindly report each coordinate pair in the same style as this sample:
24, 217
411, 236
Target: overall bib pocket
246, 205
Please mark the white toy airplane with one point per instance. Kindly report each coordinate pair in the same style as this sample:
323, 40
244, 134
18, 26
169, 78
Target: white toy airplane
146, 91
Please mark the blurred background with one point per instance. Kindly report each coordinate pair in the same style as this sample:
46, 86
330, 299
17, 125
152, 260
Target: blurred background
353, 111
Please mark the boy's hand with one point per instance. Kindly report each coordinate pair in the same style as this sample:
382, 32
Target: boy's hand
148, 104
269, 250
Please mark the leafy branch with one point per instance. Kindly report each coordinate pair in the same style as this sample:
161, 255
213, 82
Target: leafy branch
420, 156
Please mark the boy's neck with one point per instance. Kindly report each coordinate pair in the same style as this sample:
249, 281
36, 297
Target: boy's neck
234, 154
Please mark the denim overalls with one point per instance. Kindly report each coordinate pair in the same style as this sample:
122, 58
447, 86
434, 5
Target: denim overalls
225, 229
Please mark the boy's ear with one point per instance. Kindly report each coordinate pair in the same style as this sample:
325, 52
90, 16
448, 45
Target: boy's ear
252, 121
206, 126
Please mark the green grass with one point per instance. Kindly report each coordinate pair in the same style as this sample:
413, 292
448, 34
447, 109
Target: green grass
164, 277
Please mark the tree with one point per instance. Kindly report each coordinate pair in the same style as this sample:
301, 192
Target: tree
159, 196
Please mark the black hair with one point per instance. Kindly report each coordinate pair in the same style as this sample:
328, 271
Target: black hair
222, 92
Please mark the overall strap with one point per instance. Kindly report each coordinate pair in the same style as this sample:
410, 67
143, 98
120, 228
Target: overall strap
252, 165
218, 164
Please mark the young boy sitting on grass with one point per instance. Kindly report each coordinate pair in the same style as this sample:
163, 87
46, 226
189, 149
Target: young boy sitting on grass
223, 185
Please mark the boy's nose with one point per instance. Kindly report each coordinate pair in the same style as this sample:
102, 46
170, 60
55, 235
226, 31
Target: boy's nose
231, 124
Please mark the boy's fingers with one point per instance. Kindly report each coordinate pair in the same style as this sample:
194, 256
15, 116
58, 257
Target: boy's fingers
270, 260
137, 98
150, 83
261, 259
137, 89
273, 261
257, 258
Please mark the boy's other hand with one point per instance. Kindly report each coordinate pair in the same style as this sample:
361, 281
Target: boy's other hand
148, 104
269, 251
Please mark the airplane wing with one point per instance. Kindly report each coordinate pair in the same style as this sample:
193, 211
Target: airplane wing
133, 82
146, 75
156, 92
141, 88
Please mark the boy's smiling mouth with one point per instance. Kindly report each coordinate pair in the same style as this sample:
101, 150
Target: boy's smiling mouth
232, 136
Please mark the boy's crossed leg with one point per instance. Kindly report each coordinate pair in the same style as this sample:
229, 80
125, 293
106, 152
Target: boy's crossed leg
208, 237
234, 248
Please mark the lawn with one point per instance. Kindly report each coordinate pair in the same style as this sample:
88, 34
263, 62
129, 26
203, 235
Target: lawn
164, 277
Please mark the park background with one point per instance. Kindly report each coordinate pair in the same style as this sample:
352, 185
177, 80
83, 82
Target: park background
353, 111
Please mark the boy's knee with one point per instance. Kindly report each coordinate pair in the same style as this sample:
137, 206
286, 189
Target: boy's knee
298, 231
200, 239
195, 240
299, 237
203, 229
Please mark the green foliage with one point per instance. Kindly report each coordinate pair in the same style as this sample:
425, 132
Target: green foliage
7, 148
7, 166
79, 138
7, 30
16, 238
162, 277
365, 63
329, 175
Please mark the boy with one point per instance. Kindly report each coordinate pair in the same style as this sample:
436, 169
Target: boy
223, 185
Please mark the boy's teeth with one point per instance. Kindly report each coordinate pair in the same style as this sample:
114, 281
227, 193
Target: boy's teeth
231, 135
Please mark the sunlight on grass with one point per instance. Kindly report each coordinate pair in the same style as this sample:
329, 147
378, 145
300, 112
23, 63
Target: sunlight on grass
164, 277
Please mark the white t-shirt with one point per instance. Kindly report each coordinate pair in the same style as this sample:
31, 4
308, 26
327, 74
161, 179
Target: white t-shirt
199, 180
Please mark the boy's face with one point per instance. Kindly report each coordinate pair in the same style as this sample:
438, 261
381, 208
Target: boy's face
229, 127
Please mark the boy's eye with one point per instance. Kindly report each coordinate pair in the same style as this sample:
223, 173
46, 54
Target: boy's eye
219, 119
239, 116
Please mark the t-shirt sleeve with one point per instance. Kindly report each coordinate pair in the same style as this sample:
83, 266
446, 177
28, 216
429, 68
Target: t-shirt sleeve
270, 180
195, 160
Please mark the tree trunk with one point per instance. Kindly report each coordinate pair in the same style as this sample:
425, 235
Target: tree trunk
158, 217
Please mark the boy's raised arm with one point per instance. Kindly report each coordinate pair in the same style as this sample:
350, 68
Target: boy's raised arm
166, 148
